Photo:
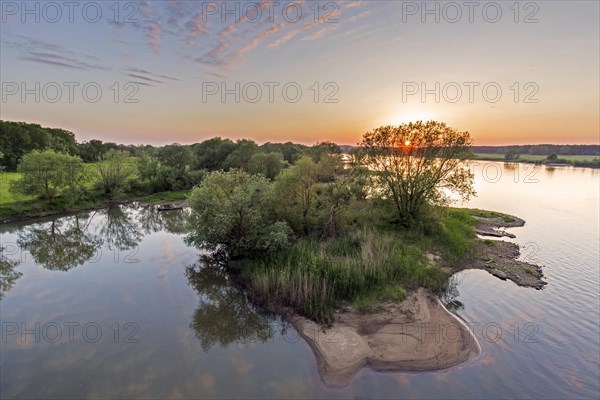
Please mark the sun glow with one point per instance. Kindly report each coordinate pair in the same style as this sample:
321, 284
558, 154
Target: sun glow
407, 143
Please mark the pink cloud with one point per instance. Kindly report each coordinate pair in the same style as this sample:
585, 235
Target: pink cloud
154, 33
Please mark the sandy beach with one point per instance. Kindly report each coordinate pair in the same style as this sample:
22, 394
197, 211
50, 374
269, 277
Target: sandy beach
417, 334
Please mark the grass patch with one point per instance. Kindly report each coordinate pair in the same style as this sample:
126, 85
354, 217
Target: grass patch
372, 301
364, 268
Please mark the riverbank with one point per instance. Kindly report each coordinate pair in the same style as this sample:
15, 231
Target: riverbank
589, 161
26, 211
498, 257
417, 333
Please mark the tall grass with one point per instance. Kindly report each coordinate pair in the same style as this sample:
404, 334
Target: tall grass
315, 276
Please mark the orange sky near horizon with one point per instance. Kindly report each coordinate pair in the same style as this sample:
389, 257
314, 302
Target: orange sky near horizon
528, 77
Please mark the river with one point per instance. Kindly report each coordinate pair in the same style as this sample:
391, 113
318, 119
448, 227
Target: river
114, 303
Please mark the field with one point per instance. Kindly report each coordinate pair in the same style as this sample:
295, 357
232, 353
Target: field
532, 158
6, 197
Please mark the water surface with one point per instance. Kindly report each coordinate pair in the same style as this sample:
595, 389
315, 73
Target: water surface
142, 315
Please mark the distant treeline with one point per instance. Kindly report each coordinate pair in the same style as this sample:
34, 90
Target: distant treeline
20, 138
542, 149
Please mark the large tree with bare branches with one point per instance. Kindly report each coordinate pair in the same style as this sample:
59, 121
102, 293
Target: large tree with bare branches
418, 163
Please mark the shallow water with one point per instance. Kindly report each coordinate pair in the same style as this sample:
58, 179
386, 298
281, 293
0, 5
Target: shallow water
138, 317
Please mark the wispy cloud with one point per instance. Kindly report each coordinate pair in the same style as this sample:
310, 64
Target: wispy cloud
145, 78
44, 52
259, 39
59, 60
143, 83
154, 35
321, 32
148, 76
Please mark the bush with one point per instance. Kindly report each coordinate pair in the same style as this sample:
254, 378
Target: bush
233, 209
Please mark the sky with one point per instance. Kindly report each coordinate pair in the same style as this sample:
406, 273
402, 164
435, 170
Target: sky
158, 72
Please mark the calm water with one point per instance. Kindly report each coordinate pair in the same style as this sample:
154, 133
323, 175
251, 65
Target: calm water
113, 303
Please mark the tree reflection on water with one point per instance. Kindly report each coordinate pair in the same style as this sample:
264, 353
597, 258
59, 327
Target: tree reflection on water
61, 244
67, 242
224, 315
8, 275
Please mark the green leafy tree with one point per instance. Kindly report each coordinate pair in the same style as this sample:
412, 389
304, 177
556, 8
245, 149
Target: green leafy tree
148, 167
323, 149
511, 155
414, 164
47, 174
539, 150
92, 151
552, 158
267, 164
232, 209
175, 156
565, 150
296, 194
114, 172
328, 166
211, 154
20, 138
240, 157
291, 151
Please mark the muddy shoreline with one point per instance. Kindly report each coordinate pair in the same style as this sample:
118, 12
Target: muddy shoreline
498, 257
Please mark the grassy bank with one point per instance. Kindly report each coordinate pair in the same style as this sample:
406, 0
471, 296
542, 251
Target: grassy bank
14, 207
362, 269
577, 160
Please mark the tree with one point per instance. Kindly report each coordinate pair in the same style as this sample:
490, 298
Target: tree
291, 152
539, 150
552, 158
48, 174
114, 172
413, 164
296, 194
565, 150
267, 164
172, 173
92, 151
175, 156
511, 155
240, 157
148, 167
211, 154
323, 149
20, 138
232, 209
